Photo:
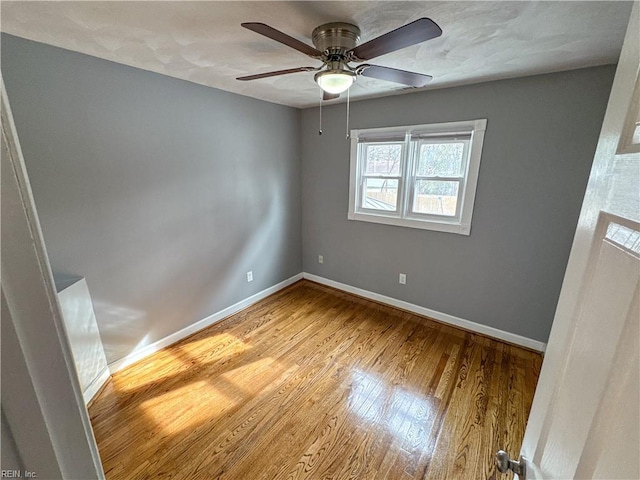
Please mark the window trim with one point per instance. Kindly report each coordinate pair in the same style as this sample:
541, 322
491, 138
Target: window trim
404, 215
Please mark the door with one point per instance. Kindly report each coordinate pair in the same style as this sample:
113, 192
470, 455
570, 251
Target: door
591, 425
585, 420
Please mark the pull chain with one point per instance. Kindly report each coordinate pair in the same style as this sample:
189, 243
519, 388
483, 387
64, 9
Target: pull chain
347, 135
320, 129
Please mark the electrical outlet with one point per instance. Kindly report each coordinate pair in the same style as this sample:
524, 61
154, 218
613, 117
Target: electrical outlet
320, 259
403, 279
250, 276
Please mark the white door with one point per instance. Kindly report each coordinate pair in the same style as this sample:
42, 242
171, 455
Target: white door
591, 425
585, 418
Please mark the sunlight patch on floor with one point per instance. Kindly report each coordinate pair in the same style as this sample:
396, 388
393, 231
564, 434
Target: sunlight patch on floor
202, 401
187, 407
154, 370
221, 345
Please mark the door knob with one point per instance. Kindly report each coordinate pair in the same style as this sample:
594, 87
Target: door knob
504, 464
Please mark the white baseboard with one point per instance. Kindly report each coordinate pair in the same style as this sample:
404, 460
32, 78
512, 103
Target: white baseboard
147, 350
96, 385
427, 312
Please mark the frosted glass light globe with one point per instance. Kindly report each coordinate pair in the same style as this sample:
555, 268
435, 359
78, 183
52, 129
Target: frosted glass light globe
335, 81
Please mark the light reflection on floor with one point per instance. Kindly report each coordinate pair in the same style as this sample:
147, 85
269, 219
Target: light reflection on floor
403, 413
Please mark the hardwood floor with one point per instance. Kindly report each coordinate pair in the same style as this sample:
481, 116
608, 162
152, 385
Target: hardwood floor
318, 384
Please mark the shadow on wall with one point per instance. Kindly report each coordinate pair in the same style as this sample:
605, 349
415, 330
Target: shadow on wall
161, 193
121, 325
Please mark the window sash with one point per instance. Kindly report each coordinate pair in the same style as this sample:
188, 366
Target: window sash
363, 194
434, 140
364, 150
362, 165
438, 139
421, 215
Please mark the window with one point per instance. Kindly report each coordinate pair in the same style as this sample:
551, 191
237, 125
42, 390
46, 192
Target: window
421, 176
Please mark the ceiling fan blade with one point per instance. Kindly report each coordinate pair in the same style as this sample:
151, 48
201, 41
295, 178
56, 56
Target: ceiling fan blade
413, 33
276, 73
283, 38
329, 96
395, 75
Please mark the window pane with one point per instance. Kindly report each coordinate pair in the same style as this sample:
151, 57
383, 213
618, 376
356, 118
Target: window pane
381, 194
383, 159
435, 197
440, 159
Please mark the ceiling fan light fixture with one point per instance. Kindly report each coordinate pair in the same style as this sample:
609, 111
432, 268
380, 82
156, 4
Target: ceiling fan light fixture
335, 81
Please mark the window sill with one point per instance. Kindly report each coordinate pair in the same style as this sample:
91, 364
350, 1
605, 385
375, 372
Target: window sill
446, 227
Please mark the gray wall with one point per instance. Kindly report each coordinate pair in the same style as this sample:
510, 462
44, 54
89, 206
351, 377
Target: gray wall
162, 193
540, 140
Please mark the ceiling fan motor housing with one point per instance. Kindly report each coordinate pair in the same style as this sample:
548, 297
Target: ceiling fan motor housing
336, 37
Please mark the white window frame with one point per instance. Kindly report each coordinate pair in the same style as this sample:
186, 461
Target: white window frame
414, 136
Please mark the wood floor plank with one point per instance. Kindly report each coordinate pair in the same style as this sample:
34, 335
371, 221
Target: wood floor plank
314, 383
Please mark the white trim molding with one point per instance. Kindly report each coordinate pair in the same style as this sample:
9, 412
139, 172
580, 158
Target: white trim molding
433, 314
96, 385
154, 347
147, 350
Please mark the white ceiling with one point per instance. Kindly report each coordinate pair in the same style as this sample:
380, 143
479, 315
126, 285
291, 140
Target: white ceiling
204, 43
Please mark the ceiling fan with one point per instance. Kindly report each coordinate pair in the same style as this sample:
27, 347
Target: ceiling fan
336, 46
